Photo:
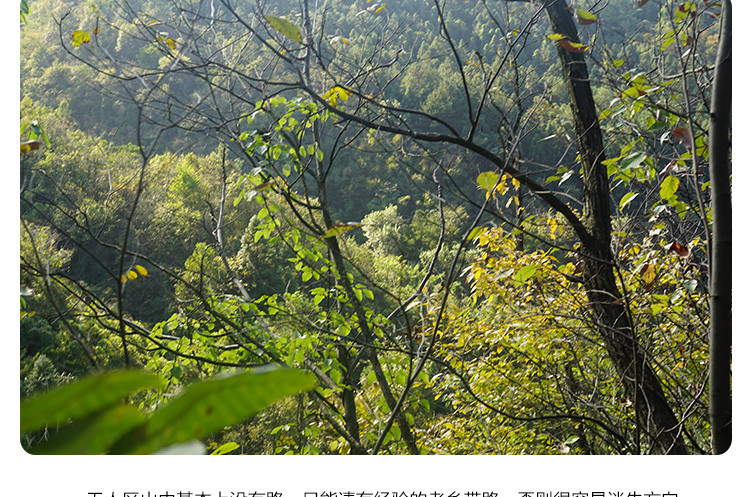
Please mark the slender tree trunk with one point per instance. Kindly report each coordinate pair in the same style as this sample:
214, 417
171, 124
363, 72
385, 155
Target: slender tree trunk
350, 381
519, 219
640, 383
720, 363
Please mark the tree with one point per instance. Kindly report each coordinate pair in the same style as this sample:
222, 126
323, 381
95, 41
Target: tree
721, 247
606, 302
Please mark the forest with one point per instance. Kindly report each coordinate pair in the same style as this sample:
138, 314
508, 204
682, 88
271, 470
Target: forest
364, 227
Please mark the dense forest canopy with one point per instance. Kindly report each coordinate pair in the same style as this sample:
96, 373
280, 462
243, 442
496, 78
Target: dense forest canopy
480, 227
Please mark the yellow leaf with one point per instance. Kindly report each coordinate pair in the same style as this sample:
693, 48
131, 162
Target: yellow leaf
341, 39
334, 94
340, 228
377, 11
648, 273
123, 278
132, 275
266, 185
30, 145
141, 270
585, 17
170, 43
553, 226
80, 36
571, 46
475, 233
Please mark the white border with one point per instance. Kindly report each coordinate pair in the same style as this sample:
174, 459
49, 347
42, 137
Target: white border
690, 476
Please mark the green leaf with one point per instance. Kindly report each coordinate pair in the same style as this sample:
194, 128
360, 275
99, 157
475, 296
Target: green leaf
657, 308
488, 180
340, 228
669, 187
668, 41
522, 275
94, 434
82, 398
176, 372
206, 407
633, 160
658, 125
225, 449
35, 132
683, 10
317, 299
276, 152
632, 92
285, 27
475, 233
626, 199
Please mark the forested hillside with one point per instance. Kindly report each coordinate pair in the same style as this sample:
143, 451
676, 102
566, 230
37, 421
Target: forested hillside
475, 227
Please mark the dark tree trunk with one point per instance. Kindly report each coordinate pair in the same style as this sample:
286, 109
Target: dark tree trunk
351, 380
519, 219
720, 371
640, 383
